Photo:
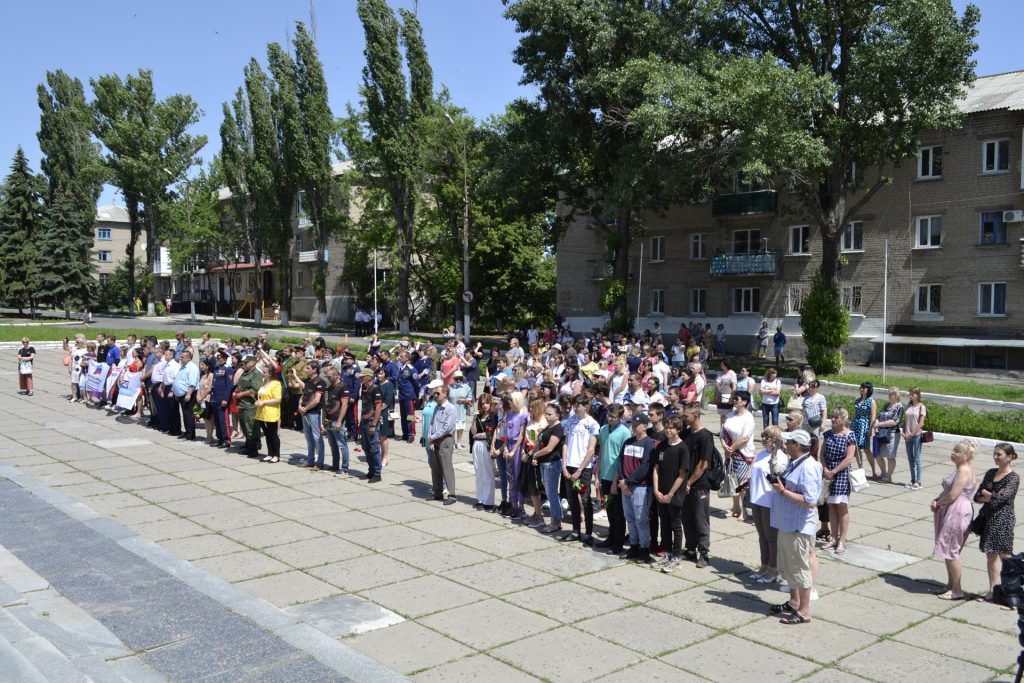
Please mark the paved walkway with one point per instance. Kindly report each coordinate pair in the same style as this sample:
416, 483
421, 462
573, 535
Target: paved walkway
438, 592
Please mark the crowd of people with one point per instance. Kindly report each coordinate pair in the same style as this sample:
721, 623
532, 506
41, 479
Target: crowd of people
563, 430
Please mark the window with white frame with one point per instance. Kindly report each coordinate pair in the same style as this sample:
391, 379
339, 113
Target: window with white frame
746, 300
103, 234
853, 237
855, 178
105, 256
929, 162
698, 301
995, 156
698, 246
799, 239
657, 249
929, 300
993, 229
992, 298
657, 302
929, 232
795, 299
298, 279
850, 298
746, 241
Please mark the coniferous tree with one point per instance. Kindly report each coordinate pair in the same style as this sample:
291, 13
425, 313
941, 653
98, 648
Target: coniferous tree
65, 278
20, 215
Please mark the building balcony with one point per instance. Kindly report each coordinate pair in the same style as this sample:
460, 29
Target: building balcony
310, 256
304, 222
743, 203
744, 264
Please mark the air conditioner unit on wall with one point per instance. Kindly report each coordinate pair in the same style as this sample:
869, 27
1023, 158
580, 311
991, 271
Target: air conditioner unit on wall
1015, 216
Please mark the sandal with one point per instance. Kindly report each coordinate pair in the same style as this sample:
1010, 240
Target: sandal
794, 618
950, 595
828, 546
275, 459
840, 549
784, 607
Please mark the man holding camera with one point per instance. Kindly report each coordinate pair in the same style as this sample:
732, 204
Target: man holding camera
794, 514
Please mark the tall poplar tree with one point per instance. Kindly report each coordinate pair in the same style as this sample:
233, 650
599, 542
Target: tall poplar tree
386, 140
148, 149
75, 173
20, 216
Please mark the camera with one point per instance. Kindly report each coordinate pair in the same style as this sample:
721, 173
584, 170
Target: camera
772, 478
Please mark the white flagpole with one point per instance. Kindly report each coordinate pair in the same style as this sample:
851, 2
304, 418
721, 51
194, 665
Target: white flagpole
639, 283
375, 291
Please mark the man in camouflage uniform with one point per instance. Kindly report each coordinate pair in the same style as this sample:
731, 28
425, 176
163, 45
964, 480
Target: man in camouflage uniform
245, 393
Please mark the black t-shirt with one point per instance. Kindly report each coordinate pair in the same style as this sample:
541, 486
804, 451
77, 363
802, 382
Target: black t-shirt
101, 353
483, 428
26, 351
552, 432
370, 399
701, 446
669, 460
657, 434
312, 386
335, 395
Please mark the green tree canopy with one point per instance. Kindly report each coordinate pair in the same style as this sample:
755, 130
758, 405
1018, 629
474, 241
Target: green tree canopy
21, 211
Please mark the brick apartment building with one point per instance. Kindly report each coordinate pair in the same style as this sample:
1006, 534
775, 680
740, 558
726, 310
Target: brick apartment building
110, 241
953, 218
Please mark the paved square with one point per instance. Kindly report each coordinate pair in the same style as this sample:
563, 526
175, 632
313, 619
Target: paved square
480, 598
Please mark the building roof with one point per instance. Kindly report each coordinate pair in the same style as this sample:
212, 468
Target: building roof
112, 213
951, 341
1001, 91
339, 168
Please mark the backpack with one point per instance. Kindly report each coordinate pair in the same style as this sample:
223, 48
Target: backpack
716, 471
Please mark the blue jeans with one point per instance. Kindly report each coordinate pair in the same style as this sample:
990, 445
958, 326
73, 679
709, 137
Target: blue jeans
337, 441
551, 475
370, 441
635, 509
770, 414
914, 458
503, 479
314, 439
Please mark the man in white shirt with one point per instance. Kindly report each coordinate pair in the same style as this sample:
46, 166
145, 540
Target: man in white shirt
581, 432
173, 411
660, 369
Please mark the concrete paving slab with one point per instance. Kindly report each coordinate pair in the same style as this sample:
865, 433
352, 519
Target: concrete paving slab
717, 659
566, 601
543, 655
389, 537
475, 668
635, 583
275, 533
460, 525
870, 613
364, 573
646, 630
508, 542
870, 556
993, 650
986, 615
831, 641
439, 557
316, 552
408, 647
239, 518
125, 443
650, 670
205, 545
899, 590
568, 560
289, 588
423, 595
242, 566
498, 577
712, 607
488, 624
893, 661
344, 615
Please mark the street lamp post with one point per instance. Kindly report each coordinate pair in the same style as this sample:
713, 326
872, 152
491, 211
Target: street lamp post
465, 233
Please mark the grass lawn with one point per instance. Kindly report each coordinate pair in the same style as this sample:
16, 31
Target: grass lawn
951, 387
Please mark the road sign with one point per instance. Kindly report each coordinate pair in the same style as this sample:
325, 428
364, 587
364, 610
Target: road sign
467, 296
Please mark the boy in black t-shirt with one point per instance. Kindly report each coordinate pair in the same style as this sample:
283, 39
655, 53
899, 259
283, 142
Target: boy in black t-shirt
697, 505
670, 460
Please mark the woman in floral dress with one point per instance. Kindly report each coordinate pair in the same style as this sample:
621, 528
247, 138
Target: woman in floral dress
864, 412
996, 519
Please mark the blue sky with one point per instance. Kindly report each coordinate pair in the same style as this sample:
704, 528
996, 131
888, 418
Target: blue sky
199, 48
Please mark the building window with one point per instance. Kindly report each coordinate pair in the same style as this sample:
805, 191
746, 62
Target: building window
992, 298
795, 302
746, 300
657, 302
993, 229
929, 300
698, 247
929, 162
856, 175
105, 256
657, 249
298, 279
104, 278
995, 156
800, 239
746, 241
252, 281
850, 298
853, 237
103, 234
929, 232
698, 301
238, 283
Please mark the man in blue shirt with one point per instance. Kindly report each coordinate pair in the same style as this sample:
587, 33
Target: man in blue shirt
114, 354
408, 391
794, 513
220, 396
184, 389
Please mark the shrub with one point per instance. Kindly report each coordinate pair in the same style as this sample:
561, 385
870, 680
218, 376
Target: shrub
951, 419
825, 325
160, 308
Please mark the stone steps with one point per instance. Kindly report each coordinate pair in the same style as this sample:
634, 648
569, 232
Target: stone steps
45, 638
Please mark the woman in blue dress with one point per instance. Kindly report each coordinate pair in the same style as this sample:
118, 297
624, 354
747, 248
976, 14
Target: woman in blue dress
864, 412
837, 453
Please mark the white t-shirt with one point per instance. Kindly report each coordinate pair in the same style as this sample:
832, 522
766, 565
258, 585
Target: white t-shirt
738, 426
577, 438
774, 385
679, 353
76, 363
724, 384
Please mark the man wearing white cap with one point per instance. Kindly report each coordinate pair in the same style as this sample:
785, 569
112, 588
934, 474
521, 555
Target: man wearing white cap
794, 514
